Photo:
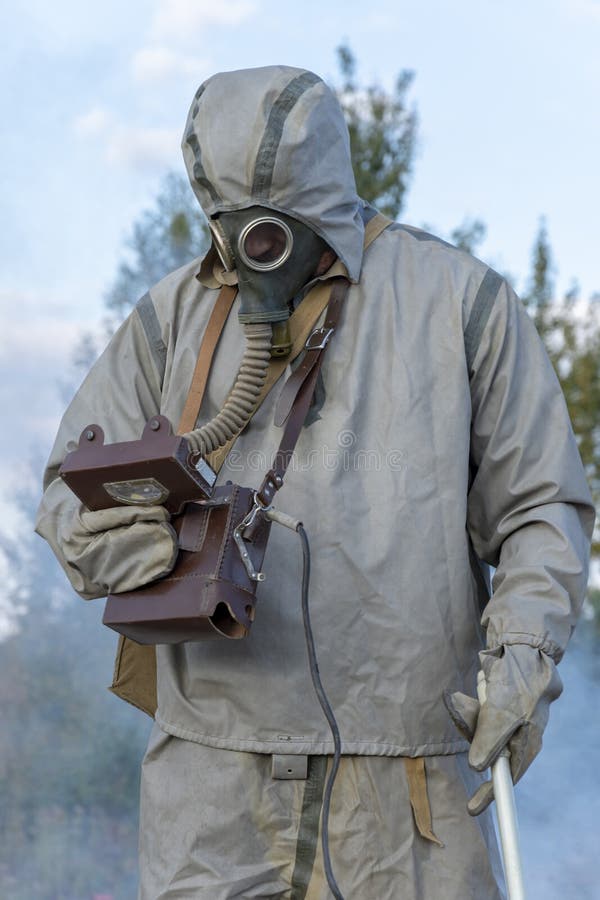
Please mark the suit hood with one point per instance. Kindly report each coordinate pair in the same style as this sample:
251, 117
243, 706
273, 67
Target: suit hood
276, 137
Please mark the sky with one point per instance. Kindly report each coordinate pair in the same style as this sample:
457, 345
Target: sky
94, 98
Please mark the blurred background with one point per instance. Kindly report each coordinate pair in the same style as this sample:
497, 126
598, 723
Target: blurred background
476, 120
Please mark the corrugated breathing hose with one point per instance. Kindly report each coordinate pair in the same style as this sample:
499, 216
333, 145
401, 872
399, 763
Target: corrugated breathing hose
244, 394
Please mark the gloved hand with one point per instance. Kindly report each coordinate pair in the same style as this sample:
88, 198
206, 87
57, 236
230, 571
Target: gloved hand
521, 682
118, 549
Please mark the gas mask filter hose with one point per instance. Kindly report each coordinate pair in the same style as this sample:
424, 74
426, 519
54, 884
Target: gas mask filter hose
243, 396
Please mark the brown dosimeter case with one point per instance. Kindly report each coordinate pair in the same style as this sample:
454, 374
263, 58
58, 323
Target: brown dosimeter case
158, 468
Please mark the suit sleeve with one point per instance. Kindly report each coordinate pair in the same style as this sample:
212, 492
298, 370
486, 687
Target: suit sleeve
121, 392
530, 513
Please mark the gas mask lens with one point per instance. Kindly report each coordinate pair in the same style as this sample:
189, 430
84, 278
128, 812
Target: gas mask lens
265, 244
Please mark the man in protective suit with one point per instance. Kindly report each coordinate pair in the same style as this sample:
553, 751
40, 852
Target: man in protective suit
438, 444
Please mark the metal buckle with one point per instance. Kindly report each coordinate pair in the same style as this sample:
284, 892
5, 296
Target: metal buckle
323, 333
238, 536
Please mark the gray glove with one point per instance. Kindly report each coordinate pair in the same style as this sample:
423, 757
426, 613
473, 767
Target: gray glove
521, 682
120, 548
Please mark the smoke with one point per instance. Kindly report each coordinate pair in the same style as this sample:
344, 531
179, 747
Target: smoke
558, 800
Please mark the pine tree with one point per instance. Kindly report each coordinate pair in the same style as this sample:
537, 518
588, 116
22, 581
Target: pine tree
382, 135
571, 335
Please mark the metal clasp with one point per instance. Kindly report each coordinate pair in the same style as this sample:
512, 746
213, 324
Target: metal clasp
319, 334
238, 536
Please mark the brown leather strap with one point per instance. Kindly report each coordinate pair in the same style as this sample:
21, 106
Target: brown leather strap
214, 329
303, 388
374, 227
419, 800
296, 379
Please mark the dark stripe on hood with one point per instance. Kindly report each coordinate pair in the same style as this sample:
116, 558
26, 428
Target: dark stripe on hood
191, 140
267, 152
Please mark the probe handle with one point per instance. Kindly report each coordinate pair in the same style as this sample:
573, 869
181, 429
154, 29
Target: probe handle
504, 796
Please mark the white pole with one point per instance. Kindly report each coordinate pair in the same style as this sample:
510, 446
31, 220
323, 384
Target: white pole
504, 796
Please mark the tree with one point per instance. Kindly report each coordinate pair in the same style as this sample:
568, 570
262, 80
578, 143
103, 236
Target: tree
468, 235
382, 135
165, 237
538, 298
571, 335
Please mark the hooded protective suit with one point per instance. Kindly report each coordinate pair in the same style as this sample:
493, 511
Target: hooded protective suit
440, 444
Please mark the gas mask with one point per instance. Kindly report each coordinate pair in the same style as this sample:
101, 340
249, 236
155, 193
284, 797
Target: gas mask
274, 256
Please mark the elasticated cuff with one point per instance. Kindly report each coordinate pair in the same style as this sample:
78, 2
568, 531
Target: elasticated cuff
547, 646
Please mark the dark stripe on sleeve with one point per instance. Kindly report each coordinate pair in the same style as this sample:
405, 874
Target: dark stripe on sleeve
308, 829
151, 326
269, 145
480, 313
419, 234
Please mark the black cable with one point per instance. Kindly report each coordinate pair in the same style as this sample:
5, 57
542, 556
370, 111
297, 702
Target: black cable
325, 706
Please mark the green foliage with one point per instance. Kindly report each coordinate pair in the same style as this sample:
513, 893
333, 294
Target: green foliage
593, 603
571, 334
382, 135
468, 235
538, 298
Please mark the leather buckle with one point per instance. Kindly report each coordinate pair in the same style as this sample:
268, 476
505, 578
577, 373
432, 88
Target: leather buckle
320, 335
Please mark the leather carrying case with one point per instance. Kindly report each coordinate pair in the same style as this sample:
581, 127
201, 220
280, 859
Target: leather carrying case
209, 593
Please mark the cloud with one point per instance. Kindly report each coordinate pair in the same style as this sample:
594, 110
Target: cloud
92, 123
34, 332
148, 148
160, 59
129, 145
178, 18
156, 64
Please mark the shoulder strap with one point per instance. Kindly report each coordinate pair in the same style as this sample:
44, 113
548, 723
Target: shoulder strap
374, 227
299, 396
214, 329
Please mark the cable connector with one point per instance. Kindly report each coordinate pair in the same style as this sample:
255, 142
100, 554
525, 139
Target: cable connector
282, 519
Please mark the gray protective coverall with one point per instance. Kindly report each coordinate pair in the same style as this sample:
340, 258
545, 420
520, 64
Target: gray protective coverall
440, 443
